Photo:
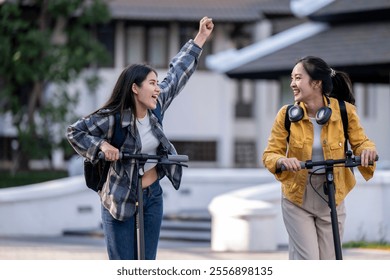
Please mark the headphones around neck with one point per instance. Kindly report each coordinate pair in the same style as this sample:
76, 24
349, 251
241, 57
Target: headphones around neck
295, 113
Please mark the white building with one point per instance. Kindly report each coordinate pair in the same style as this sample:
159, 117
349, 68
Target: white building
219, 121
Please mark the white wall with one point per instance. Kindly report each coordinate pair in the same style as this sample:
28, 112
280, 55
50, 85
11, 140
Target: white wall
66, 204
376, 124
199, 186
49, 208
205, 111
368, 209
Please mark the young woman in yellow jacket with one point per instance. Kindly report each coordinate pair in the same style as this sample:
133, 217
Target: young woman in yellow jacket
316, 134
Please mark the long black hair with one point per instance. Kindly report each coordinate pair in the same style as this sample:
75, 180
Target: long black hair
335, 84
122, 96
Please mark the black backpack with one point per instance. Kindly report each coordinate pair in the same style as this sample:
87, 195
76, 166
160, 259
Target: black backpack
344, 117
96, 174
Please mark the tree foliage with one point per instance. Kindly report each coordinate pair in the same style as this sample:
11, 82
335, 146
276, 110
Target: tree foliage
45, 42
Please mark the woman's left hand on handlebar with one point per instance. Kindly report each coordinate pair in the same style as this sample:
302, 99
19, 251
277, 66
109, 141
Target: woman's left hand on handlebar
367, 157
290, 164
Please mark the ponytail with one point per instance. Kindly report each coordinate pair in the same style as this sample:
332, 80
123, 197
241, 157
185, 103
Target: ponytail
342, 86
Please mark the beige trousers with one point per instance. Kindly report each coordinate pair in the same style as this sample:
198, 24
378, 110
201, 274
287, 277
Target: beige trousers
310, 227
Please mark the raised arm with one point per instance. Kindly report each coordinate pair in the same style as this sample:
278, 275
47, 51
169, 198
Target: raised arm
206, 27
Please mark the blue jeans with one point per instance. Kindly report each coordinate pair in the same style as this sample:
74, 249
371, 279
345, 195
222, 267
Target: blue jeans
120, 236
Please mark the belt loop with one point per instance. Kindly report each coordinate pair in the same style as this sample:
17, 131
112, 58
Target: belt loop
149, 192
148, 189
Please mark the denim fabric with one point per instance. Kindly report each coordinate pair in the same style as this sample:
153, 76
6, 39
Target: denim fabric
120, 236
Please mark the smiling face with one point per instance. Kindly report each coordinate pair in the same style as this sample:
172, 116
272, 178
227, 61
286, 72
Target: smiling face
146, 95
304, 88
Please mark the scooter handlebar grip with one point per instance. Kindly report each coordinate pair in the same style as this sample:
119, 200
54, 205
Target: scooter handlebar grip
178, 158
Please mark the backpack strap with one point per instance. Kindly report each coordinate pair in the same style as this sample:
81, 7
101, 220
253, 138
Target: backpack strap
157, 113
119, 134
344, 117
287, 123
117, 140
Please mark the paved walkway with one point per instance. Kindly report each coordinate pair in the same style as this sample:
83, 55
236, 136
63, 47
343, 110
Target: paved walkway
93, 248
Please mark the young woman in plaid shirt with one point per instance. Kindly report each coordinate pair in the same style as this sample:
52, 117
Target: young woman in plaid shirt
136, 93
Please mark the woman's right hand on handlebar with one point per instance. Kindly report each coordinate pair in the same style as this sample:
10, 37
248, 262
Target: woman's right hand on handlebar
290, 164
110, 152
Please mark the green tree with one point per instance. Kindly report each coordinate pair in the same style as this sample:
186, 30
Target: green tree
45, 43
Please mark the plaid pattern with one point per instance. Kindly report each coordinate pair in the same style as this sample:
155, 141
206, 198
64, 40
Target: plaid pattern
86, 135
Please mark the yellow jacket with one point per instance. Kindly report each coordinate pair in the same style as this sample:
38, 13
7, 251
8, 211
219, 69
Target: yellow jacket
300, 147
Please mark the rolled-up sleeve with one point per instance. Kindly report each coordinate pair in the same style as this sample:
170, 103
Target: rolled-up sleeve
181, 68
87, 134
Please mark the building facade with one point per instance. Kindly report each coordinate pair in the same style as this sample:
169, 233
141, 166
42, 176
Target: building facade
222, 119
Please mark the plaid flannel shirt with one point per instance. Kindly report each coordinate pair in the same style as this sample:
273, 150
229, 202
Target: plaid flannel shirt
118, 194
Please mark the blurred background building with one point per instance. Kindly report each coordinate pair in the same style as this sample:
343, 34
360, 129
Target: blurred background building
224, 115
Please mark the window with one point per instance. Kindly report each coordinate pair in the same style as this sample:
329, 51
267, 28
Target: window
8, 148
286, 93
197, 150
106, 36
147, 44
245, 99
245, 154
135, 45
157, 43
369, 96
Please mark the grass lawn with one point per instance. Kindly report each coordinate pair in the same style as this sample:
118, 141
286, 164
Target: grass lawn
367, 245
29, 177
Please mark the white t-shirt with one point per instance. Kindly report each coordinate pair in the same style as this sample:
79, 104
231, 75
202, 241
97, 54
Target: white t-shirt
317, 153
148, 139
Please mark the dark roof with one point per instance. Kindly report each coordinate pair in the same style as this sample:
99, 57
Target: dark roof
363, 50
193, 10
354, 6
360, 10
187, 10
275, 7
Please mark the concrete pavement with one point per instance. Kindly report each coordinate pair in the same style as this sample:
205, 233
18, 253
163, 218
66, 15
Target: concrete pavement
93, 248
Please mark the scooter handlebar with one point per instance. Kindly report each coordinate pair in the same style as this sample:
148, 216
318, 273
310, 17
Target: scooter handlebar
169, 158
283, 168
348, 162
